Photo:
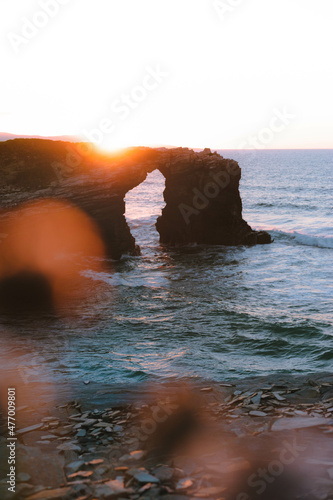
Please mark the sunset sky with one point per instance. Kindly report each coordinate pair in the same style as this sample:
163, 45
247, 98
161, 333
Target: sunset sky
197, 73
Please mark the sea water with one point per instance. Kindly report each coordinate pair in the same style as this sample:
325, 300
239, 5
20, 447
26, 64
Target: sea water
204, 312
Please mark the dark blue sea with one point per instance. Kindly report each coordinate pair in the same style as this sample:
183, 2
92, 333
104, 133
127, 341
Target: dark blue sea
213, 313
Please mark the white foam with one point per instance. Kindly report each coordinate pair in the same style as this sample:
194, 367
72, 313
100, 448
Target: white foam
314, 241
303, 239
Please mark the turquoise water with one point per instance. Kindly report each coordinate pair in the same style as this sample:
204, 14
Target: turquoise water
208, 312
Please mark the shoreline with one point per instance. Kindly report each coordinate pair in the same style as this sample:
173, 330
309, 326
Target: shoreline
198, 440
96, 393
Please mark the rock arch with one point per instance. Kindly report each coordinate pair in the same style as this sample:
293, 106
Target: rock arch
203, 203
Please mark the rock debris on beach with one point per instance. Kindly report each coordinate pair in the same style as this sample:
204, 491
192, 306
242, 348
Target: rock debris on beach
233, 430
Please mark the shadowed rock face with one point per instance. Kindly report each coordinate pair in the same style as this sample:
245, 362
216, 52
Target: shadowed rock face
202, 198
203, 203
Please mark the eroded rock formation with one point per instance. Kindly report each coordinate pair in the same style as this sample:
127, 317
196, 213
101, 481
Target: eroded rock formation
202, 198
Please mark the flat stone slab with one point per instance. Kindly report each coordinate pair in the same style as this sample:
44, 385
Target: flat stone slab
112, 489
56, 494
32, 428
144, 477
287, 424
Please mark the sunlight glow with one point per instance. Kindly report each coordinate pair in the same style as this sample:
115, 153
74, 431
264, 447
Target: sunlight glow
175, 73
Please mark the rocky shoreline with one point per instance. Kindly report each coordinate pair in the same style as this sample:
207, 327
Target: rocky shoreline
261, 438
203, 204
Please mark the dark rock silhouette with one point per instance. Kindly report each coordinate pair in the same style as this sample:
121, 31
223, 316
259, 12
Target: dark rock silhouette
25, 293
203, 203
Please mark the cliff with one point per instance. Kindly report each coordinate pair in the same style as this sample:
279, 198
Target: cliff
202, 198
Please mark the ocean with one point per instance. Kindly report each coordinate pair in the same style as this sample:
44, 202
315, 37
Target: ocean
202, 312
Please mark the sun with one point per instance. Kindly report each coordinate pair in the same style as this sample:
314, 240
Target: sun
106, 144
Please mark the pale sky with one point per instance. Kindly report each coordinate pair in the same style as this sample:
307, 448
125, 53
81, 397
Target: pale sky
196, 73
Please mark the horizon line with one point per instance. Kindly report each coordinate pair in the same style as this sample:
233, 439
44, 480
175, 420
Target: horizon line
71, 138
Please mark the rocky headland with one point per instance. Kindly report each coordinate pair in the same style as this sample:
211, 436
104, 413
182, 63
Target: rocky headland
203, 203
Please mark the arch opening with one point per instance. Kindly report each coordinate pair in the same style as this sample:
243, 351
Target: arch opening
143, 205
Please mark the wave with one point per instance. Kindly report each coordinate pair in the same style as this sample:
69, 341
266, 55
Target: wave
305, 239
285, 205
